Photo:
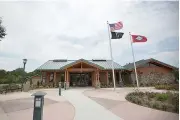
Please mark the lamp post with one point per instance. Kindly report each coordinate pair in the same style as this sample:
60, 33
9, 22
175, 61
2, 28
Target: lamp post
38, 105
24, 63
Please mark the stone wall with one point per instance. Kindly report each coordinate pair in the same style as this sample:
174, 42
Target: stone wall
26, 86
103, 78
154, 78
35, 80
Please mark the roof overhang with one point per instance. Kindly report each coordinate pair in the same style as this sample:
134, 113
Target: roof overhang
82, 61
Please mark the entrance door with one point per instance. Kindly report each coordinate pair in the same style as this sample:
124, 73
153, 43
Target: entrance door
80, 79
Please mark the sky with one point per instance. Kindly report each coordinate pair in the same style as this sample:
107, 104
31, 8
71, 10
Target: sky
68, 29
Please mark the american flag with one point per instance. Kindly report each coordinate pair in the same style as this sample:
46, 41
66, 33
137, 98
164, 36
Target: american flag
116, 26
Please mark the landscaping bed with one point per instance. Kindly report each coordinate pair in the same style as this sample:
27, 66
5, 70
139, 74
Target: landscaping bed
168, 87
162, 101
6, 88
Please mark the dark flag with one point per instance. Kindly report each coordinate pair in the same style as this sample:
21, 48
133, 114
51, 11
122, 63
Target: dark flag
116, 35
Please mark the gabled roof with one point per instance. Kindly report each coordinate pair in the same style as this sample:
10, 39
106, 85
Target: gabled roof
82, 60
62, 64
140, 63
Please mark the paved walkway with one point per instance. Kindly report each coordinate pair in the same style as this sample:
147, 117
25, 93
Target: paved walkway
117, 104
87, 109
19, 106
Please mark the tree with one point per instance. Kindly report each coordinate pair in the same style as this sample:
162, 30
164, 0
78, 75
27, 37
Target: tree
3, 73
2, 30
16, 76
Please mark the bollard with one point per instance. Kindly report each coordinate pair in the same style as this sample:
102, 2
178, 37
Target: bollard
38, 105
65, 85
59, 88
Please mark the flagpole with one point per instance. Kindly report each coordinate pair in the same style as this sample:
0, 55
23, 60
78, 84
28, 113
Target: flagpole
112, 63
134, 62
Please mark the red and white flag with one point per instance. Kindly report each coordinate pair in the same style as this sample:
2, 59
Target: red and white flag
138, 38
116, 26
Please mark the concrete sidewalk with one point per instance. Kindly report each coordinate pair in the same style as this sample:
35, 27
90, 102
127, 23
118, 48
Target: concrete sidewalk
87, 109
117, 104
19, 106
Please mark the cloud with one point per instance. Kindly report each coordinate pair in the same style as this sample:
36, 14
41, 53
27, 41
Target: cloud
169, 44
69, 29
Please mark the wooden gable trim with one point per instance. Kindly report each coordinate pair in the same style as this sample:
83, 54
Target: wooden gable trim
82, 61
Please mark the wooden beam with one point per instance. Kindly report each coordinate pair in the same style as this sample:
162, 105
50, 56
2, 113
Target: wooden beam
81, 69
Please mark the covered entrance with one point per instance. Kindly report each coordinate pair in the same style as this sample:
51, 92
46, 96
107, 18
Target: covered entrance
80, 79
81, 73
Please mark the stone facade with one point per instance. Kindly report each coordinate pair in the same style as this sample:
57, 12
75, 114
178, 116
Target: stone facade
153, 78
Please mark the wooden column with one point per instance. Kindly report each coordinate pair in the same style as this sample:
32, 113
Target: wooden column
47, 77
54, 77
67, 82
92, 78
81, 67
115, 77
42, 76
107, 77
98, 76
120, 77
95, 81
65, 75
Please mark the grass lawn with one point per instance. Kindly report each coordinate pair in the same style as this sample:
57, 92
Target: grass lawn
162, 101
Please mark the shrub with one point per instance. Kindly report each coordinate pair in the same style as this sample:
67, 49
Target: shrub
156, 105
162, 97
163, 101
164, 106
174, 100
150, 95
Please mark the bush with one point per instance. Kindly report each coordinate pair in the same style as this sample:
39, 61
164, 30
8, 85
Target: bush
156, 105
163, 101
150, 95
162, 97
